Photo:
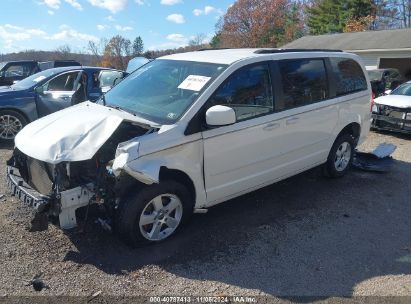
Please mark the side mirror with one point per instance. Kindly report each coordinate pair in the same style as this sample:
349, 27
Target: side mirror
220, 116
39, 89
117, 81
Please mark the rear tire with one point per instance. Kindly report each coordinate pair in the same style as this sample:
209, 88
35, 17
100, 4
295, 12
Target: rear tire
154, 213
11, 123
340, 157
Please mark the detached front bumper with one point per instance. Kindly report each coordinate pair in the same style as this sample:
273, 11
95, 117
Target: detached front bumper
64, 204
27, 195
39, 203
397, 121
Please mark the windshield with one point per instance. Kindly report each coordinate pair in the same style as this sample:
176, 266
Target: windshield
375, 75
404, 89
162, 90
32, 80
2, 64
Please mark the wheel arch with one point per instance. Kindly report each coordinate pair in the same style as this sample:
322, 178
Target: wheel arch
180, 176
354, 129
17, 111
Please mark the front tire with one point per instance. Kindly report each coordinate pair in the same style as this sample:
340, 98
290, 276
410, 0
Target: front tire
153, 213
341, 155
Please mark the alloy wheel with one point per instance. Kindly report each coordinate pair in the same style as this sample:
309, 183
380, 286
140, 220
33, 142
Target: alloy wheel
161, 217
9, 126
342, 156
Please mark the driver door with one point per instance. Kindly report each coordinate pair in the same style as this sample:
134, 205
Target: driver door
244, 155
57, 93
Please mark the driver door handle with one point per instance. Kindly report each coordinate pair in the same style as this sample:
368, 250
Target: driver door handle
292, 121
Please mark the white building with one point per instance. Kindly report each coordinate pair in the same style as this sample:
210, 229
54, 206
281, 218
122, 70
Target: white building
378, 49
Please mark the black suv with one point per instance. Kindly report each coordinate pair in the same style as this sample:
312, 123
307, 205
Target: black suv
12, 71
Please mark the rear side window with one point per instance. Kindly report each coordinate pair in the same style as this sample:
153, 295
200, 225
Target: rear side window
349, 76
304, 82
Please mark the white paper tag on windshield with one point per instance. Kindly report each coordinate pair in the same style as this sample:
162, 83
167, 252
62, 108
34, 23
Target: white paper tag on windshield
194, 83
40, 78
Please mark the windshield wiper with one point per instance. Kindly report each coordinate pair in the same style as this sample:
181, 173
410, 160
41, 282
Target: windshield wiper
119, 108
103, 98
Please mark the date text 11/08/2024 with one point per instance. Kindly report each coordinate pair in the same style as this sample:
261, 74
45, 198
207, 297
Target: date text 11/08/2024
206, 299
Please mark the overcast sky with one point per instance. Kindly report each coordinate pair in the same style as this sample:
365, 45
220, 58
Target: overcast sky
47, 24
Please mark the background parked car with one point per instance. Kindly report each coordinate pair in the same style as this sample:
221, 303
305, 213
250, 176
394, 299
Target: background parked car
57, 64
49, 91
13, 71
384, 79
393, 112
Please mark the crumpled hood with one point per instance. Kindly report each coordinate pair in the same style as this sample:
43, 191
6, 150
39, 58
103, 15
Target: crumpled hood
72, 134
398, 101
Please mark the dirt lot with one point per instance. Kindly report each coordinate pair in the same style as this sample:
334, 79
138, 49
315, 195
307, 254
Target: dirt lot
305, 236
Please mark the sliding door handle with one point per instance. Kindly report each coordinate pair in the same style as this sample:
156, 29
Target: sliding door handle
271, 126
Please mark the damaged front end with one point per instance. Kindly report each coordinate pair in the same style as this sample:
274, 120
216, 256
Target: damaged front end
385, 117
58, 190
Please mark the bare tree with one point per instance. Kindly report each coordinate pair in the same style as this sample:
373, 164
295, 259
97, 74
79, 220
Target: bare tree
117, 52
391, 14
198, 40
63, 52
97, 50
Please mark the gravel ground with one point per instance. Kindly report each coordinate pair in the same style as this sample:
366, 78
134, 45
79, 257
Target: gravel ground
305, 236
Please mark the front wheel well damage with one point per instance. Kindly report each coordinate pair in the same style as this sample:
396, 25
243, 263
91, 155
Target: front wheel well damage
354, 129
179, 176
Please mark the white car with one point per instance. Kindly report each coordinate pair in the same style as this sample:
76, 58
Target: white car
392, 112
188, 131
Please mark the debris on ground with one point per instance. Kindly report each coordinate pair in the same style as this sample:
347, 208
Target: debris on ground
379, 160
37, 283
94, 295
384, 150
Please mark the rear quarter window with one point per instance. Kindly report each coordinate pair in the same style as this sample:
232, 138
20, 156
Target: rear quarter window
349, 76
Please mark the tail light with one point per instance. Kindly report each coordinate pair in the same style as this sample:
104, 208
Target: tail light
372, 102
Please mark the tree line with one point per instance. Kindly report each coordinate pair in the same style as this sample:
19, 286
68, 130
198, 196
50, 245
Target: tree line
251, 23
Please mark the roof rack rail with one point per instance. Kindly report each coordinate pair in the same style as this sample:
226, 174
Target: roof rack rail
212, 49
275, 51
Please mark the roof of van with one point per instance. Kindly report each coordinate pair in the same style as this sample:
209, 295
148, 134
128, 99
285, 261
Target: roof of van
229, 56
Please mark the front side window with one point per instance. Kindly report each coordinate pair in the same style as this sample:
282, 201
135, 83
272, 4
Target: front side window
64, 82
304, 82
349, 76
162, 90
248, 91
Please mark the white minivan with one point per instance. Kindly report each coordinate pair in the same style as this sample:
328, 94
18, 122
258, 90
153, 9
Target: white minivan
188, 131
